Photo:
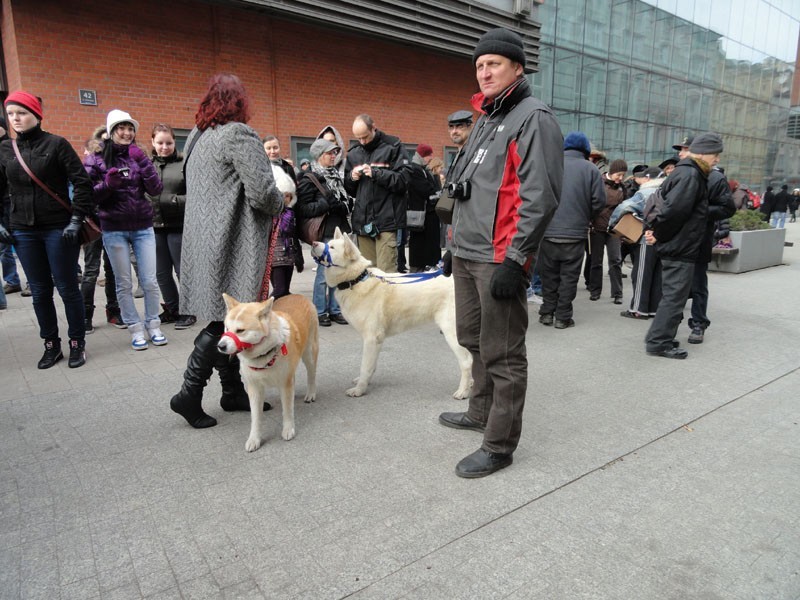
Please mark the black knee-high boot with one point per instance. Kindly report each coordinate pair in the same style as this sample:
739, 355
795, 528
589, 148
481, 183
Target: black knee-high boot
234, 396
188, 403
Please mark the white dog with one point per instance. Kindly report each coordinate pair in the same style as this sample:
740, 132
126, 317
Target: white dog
379, 309
271, 338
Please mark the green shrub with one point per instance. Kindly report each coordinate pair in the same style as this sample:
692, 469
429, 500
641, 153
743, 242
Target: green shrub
748, 220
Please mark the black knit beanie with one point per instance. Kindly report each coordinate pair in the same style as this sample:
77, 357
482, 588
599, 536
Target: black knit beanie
503, 42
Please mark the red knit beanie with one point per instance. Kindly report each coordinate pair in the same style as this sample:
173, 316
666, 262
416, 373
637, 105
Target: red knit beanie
424, 150
26, 100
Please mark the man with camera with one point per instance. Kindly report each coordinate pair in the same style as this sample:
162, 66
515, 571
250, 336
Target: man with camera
376, 175
506, 184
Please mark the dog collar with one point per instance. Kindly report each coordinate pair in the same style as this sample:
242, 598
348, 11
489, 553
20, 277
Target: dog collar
284, 352
240, 344
348, 284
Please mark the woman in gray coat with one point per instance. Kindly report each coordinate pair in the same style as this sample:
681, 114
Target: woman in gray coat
231, 198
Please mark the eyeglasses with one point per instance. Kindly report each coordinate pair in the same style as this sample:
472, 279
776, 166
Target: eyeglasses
334, 152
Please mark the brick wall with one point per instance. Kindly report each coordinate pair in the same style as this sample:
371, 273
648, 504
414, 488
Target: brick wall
155, 60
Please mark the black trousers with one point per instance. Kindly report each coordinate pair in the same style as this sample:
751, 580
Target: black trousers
559, 266
676, 284
699, 296
646, 279
599, 241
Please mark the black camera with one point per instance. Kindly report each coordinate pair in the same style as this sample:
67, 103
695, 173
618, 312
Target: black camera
124, 171
460, 191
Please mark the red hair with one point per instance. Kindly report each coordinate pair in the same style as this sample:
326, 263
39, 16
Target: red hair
224, 102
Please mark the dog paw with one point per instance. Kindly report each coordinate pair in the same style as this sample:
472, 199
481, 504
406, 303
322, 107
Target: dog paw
252, 444
309, 399
287, 433
355, 392
461, 394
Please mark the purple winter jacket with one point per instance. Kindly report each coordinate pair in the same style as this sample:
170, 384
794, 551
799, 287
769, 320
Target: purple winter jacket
126, 208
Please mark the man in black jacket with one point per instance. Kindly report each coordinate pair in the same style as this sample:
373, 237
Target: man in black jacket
376, 175
679, 229
720, 206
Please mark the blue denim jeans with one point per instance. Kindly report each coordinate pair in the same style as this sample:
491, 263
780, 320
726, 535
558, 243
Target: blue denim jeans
10, 274
778, 219
118, 246
324, 300
51, 262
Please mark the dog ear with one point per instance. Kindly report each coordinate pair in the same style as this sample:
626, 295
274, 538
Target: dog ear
230, 301
337, 233
266, 307
350, 249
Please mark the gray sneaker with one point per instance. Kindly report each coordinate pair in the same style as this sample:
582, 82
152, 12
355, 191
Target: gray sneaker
696, 337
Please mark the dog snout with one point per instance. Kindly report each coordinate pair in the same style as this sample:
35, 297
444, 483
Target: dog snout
226, 347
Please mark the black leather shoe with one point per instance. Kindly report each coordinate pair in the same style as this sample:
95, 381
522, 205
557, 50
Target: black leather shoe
52, 354
546, 319
678, 353
618, 300
339, 319
594, 297
564, 324
482, 463
324, 320
460, 420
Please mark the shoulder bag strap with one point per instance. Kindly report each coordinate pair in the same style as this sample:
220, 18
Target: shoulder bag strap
188, 150
316, 182
36, 180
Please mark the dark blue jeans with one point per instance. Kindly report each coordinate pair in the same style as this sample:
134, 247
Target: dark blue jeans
49, 261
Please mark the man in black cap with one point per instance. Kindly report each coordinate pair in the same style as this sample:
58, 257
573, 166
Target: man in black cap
506, 184
459, 126
678, 227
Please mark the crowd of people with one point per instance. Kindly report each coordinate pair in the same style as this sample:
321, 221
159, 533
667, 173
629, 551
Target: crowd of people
520, 214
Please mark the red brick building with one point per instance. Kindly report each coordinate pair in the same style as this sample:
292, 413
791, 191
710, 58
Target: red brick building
153, 59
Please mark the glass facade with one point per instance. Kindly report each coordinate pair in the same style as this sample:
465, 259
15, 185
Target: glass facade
638, 75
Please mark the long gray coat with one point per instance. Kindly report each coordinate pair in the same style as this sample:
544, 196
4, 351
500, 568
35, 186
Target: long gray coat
230, 201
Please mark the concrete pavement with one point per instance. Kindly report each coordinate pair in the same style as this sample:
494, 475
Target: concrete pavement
636, 477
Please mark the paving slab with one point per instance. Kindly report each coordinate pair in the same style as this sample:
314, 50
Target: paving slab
636, 477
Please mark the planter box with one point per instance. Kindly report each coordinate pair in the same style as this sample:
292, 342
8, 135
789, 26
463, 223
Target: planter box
757, 250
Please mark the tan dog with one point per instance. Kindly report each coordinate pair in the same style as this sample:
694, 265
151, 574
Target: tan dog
271, 338
380, 305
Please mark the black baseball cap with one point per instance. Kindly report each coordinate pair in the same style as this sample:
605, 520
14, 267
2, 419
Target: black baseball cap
684, 143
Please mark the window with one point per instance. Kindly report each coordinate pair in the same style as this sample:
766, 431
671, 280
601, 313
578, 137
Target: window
300, 147
180, 138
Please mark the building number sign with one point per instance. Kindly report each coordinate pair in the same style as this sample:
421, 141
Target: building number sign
88, 97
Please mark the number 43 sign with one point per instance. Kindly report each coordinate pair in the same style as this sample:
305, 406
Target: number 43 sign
88, 97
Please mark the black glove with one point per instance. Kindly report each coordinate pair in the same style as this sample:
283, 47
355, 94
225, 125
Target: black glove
447, 264
340, 208
5, 236
507, 280
71, 231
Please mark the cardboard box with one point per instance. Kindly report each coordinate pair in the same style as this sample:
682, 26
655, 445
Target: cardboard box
629, 228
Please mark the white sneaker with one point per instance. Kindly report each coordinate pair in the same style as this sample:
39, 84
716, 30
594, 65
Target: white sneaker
158, 338
137, 341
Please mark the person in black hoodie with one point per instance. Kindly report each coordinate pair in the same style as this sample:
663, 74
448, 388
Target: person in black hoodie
376, 174
43, 231
679, 227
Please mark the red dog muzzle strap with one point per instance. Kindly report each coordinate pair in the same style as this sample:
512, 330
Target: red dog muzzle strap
240, 345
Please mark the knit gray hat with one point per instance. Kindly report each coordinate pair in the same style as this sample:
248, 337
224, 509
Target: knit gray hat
320, 147
503, 42
706, 143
